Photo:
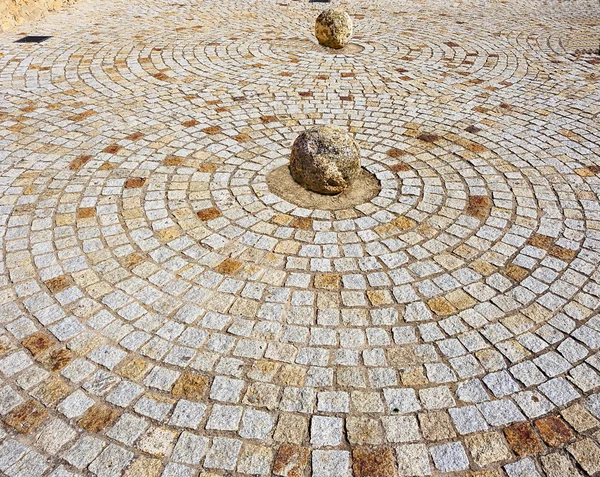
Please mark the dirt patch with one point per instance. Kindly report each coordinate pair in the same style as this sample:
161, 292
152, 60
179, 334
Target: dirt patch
362, 190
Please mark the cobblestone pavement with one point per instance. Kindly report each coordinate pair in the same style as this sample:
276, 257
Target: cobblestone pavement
164, 313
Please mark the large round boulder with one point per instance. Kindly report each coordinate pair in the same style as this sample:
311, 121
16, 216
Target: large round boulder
325, 159
333, 28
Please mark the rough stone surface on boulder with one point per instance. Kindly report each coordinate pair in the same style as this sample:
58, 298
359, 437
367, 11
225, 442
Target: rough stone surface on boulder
325, 159
333, 28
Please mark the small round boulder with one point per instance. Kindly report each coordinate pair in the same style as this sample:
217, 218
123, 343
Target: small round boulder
333, 28
325, 159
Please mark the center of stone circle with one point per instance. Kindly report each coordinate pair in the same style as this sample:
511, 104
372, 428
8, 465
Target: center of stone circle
364, 188
325, 159
334, 28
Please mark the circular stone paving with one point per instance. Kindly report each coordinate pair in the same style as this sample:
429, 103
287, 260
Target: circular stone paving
169, 307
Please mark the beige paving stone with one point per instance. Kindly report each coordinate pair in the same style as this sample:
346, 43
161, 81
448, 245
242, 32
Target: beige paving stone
436, 426
587, 453
144, 465
557, 465
579, 418
364, 431
291, 429
489, 448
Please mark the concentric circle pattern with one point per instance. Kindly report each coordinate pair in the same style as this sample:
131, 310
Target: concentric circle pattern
165, 312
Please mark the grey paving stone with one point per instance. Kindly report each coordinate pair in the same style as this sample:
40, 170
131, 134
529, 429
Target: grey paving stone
111, 461
331, 463
449, 457
223, 453
522, 468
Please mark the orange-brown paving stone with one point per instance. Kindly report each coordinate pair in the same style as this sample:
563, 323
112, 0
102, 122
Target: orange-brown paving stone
473, 129
302, 223
378, 297
191, 386
212, 130
373, 462
135, 369
584, 172
51, 391
242, 137
207, 167
134, 136
290, 461
400, 167
59, 358
477, 212
228, 266
133, 259
282, 219
515, 272
57, 284
5, 345
86, 212
476, 148
540, 241
173, 161
430, 138
594, 169
98, 417
134, 182
112, 149
209, 214
553, 430
327, 281
106, 166
523, 439
82, 116
79, 162
189, 124
26, 417
404, 223
562, 253
441, 306
479, 201
168, 234
396, 153
38, 343
268, 119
